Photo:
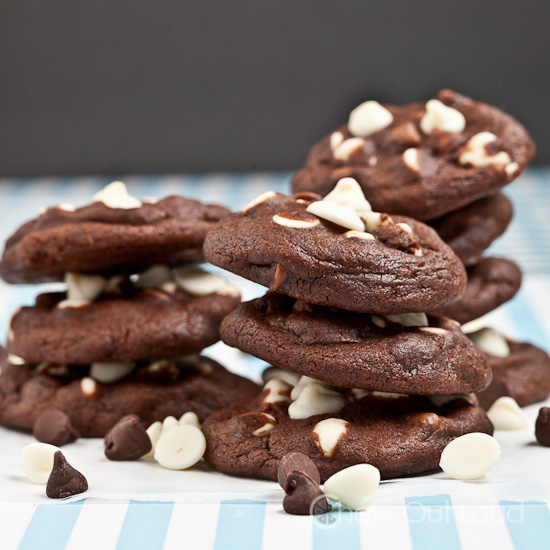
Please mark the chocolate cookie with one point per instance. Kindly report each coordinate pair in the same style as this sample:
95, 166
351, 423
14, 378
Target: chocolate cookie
471, 229
421, 160
129, 324
359, 261
152, 391
400, 435
524, 374
354, 350
491, 283
108, 236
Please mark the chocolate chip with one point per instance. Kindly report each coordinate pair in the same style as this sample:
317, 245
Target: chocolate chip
542, 427
64, 481
54, 427
307, 196
127, 440
296, 462
303, 496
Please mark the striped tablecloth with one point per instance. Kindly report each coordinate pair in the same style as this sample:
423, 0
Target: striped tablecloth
202, 509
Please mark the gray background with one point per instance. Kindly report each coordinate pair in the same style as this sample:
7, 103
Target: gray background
183, 86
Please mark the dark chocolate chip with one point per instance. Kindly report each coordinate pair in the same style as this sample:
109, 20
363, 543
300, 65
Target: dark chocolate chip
296, 462
127, 440
64, 481
54, 427
304, 497
542, 427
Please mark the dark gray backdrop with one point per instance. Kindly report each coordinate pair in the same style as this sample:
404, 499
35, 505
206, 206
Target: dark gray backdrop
156, 86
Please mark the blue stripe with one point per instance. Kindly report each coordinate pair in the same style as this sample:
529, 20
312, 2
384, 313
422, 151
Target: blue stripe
528, 524
525, 321
432, 523
339, 528
145, 525
240, 525
51, 526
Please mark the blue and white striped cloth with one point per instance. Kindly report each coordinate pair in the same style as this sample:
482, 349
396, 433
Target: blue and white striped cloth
507, 510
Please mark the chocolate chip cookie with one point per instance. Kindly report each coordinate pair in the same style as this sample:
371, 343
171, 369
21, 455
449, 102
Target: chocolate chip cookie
470, 230
423, 159
153, 391
338, 253
430, 356
491, 283
128, 324
524, 374
108, 236
399, 435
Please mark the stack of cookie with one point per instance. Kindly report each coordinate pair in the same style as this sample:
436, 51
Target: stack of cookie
382, 382
124, 336
444, 162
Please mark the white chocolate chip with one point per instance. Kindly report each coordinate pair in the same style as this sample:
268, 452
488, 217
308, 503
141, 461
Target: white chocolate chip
359, 393
470, 456
368, 118
490, 341
64, 304
329, 432
359, 235
270, 373
198, 362
197, 282
15, 359
354, 487
153, 431
505, 414
440, 400
316, 399
169, 423
348, 192
434, 330
475, 152
169, 287
405, 227
335, 139
229, 290
410, 159
88, 386
190, 418
348, 148
388, 395
373, 220
439, 116
474, 325
409, 319
82, 289
511, 169
154, 277
107, 373
299, 387
115, 195
267, 427
180, 448
293, 223
258, 200
340, 214
378, 321
373, 161
278, 391
37, 461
